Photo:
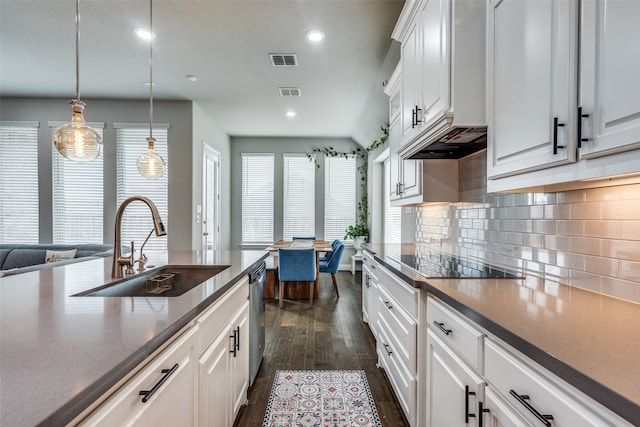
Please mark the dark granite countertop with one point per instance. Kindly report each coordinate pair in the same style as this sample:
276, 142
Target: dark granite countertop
60, 353
590, 340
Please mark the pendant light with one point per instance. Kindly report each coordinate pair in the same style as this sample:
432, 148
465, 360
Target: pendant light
75, 140
150, 164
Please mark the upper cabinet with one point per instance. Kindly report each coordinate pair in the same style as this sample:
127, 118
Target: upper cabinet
531, 85
562, 92
443, 73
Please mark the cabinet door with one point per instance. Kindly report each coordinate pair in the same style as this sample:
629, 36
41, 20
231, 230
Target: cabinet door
239, 359
214, 376
609, 88
395, 162
171, 377
453, 388
410, 63
531, 84
496, 413
410, 178
435, 33
366, 294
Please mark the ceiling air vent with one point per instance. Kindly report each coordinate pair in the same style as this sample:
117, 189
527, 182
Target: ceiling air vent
290, 91
283, 59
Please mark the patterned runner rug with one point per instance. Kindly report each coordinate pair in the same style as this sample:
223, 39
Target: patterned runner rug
321, 399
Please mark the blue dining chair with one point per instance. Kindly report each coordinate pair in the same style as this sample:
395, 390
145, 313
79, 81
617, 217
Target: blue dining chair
297, 265
332, 265
303, 238
327, 255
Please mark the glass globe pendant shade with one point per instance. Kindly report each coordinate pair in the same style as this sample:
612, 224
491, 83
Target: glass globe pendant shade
150, 164
75, 140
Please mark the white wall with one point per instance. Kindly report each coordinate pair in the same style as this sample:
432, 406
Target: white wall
177, 113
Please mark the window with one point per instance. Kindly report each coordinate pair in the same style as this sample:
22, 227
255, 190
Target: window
78, 189
339, 197
299, 196
257, 198
391, 213
19, 182
131, 140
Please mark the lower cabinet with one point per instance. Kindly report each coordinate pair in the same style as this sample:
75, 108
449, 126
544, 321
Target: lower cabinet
224, 367
200, 379
495, 412
169, 386
454, 390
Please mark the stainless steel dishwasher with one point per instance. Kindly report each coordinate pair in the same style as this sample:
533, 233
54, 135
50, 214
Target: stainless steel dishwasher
257, 279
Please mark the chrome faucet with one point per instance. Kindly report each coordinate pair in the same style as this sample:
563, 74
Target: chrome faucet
118, 260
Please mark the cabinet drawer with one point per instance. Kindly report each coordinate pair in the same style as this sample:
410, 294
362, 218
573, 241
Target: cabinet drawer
401, 329
404, 384
172, 402
370, 264
458, 333
214, 319
513, 378
406, 295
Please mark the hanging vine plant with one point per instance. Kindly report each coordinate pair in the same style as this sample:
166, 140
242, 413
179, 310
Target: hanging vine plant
360, 228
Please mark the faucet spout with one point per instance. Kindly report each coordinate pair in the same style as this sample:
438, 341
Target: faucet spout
118, 260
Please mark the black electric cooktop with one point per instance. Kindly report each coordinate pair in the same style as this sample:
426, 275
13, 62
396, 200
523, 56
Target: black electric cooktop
446, 266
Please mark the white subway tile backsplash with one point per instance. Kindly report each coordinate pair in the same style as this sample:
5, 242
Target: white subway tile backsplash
586, 238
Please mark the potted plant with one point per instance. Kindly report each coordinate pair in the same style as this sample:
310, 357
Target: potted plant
359, 234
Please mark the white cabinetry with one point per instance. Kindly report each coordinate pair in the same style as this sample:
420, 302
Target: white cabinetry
397, 339
169, 386
369, 291
561, 87
442, 60
199, 379
531, 85
609, 89
474, 379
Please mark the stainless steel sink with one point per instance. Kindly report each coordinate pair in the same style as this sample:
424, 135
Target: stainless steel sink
168, 281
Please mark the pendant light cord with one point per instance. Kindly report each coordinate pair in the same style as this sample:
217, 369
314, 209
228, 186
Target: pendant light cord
150, 68
78, 50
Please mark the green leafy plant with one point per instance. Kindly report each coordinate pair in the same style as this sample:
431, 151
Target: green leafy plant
360, 228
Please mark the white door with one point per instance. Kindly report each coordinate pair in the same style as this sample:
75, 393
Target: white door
531, 85
609, 88
210, 198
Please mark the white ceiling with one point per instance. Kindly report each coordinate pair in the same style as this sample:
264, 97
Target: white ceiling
226, 44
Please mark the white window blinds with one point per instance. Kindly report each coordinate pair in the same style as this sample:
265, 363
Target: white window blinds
137, 223
299, 196
19, 182
391, 214
339, 197
78, 196
257, 198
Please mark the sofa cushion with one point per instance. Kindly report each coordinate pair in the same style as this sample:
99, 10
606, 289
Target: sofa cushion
57, 256
23, 257
18, 256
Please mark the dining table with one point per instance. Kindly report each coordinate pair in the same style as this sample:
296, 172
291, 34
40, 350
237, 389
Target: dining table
321, 246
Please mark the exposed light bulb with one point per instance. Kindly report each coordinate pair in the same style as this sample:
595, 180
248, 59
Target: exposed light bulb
75, 140
291, 114
150, 164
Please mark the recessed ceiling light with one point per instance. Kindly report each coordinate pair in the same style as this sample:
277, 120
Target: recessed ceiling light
191, 78
149, 84
144, 34
315, 35
291, 114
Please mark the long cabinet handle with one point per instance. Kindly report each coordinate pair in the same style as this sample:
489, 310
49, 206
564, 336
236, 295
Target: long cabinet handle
556, 125
467, 393
481, 410
440, 326
148, 393
522, 398
388, 304
236, 341
579, 137
386, 347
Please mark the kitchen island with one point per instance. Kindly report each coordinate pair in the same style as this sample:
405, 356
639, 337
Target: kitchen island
59, 353
589, 340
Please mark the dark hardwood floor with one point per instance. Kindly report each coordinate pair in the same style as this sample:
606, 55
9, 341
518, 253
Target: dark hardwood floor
331, 335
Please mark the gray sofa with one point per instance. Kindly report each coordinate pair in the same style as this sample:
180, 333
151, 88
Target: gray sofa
16, 258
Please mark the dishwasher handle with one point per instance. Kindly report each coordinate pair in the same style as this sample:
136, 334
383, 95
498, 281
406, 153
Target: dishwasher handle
258, 273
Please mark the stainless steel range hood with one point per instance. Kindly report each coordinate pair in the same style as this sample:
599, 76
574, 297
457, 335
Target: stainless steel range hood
450, 143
